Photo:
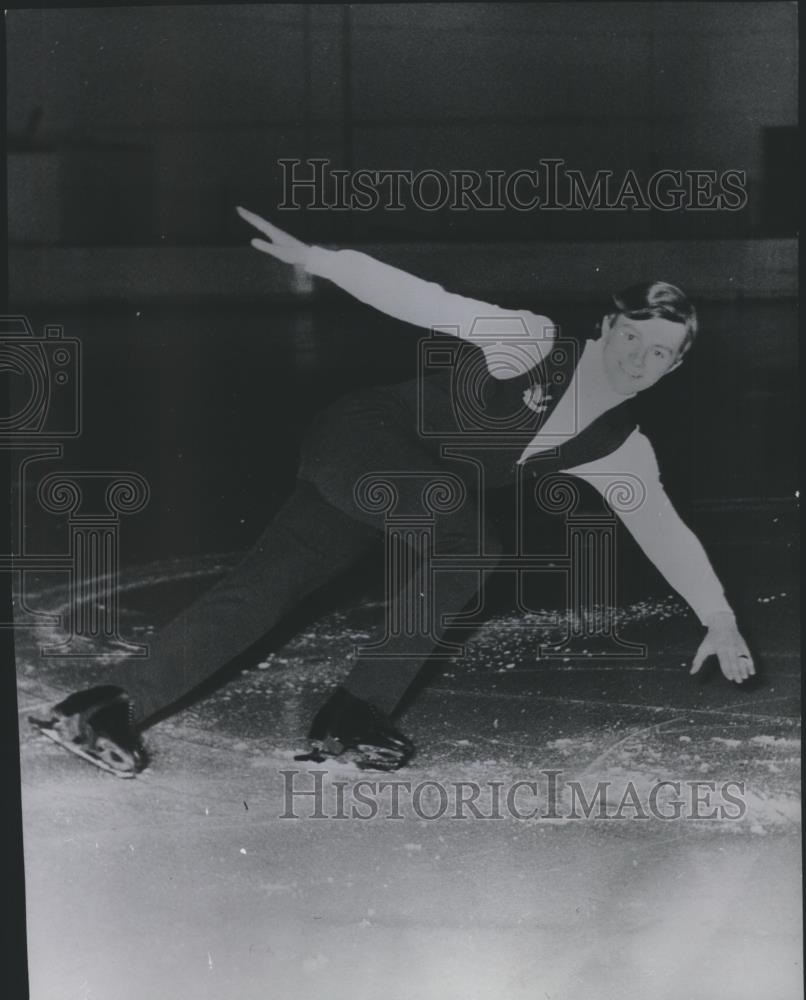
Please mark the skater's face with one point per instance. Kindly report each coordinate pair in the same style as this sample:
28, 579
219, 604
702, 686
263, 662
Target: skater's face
638, 352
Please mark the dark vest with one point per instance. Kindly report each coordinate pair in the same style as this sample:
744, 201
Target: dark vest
463, 407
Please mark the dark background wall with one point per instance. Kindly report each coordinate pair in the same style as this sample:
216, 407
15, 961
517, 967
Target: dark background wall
133, 133
145, 125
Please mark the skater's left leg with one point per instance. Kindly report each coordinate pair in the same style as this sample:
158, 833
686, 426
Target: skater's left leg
383, 681
387, 446
357, 715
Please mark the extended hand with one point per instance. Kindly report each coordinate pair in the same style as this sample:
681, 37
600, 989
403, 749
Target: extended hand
724, 641
282, 246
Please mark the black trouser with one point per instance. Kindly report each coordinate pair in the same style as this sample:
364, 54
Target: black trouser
319, 532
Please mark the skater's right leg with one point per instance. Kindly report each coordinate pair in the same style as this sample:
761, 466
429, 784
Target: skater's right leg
307, 544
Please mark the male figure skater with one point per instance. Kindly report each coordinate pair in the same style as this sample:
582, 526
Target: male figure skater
582, 427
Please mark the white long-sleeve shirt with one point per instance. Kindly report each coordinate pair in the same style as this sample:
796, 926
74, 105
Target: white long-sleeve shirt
514, 341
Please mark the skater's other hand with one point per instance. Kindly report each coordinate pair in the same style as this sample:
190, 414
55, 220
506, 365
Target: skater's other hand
280, 244
724, 641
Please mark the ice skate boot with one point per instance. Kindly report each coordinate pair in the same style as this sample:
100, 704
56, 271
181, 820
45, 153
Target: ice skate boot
96, 725
347, 725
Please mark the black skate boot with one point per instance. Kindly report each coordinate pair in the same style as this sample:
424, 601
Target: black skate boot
346, 724
96, 725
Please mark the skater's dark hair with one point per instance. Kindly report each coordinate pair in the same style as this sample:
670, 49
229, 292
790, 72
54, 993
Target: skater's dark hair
658, 299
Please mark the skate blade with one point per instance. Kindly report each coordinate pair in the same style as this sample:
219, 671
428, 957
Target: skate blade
313, 756
368, 758
52, 734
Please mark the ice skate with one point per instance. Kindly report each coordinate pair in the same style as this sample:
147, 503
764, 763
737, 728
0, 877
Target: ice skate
346, 725
96, 725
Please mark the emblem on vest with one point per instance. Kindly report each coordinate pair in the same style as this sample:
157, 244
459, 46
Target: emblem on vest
536, 398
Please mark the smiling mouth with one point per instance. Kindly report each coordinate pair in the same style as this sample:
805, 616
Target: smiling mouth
633, 377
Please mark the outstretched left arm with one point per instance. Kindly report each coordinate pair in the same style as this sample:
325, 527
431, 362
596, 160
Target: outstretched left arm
674, 549
513, 340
